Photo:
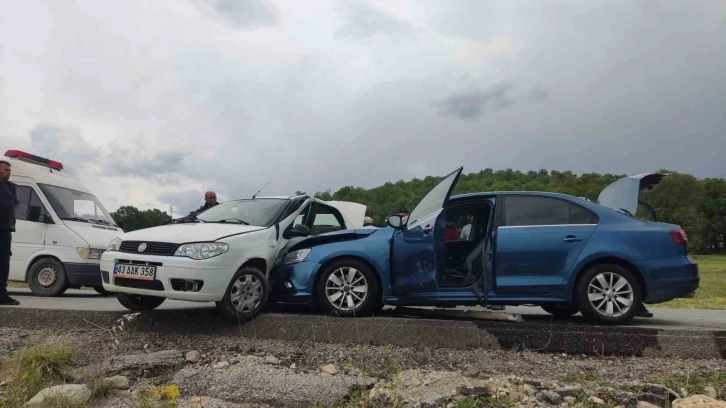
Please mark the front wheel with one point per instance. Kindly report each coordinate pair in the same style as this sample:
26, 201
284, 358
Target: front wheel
139, 302
246, 295
47, 277
608, 294
348, 288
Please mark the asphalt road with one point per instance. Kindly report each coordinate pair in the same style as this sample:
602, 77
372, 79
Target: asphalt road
664, 319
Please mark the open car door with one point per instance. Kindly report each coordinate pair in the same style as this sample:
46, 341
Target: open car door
624, 194
417, 253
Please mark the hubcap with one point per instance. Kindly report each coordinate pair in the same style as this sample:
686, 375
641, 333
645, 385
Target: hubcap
346, 288
47, 277
610, 294
246, 293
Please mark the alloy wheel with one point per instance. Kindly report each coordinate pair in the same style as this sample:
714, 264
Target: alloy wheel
610, 294
346, 288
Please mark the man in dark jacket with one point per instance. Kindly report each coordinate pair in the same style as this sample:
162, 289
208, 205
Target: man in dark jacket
8, 202
210, 200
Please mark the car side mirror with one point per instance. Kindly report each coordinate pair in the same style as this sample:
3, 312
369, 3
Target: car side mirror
395, 221
120, 224
300, 230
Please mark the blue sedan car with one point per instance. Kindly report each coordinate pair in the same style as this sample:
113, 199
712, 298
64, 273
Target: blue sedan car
563, 253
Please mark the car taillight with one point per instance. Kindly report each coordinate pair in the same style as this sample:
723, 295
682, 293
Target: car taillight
679, 237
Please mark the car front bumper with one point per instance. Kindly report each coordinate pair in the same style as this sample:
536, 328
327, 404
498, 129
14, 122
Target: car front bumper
294, 282
176, 278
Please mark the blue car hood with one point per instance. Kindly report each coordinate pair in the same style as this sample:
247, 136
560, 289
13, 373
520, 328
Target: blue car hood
335, 236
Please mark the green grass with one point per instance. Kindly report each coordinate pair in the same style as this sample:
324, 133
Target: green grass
712, 291
36, 368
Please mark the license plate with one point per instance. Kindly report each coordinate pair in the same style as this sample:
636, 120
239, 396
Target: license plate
135, 271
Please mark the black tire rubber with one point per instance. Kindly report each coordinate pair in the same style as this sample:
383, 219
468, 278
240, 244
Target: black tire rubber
589, 311
58, 287
561, 311
228, 310
370, 305
101, 291
139, 303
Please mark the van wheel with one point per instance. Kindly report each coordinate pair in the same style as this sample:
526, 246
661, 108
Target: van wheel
139, 302
47, 277
608, 294
246, 295
560, 311
348, 288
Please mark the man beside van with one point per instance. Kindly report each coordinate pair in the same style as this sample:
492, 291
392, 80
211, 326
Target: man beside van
8, 202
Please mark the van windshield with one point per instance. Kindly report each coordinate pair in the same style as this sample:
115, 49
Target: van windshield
259, 212
76, 205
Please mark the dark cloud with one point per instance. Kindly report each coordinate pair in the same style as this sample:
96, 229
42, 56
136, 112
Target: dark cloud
64, 144
538, 94
363, 21
242, 13
138, 163
470, 105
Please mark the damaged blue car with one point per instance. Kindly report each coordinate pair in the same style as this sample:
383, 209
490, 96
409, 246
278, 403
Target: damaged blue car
563, 253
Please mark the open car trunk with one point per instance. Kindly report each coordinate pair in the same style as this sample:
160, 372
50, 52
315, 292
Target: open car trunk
624, 194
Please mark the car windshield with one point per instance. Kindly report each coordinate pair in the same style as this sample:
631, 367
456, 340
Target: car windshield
259, 212
72, 204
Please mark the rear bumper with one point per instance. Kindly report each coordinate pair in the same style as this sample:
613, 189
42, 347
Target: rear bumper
670, 278
83, 274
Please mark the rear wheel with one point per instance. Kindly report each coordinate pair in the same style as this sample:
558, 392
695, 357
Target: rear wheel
246, 295
47, 277
139, 302
348, 288
609, 294
560, 311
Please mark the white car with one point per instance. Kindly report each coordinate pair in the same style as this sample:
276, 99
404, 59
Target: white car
224, 257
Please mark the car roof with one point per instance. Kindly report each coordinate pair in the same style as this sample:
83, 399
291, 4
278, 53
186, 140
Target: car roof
23, 170
495, 193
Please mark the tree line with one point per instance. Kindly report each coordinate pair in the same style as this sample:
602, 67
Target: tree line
697, 205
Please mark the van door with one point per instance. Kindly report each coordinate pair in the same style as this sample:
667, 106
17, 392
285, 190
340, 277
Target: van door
30, 229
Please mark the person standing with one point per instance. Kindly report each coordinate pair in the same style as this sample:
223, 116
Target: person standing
210, 200
8, 202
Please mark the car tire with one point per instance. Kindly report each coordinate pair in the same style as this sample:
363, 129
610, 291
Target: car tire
336, 298
139, 303
603, 292
246, 295
101, 291
47, 277
561, 311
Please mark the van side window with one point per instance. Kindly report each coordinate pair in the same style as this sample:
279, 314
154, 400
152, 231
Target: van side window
30, 207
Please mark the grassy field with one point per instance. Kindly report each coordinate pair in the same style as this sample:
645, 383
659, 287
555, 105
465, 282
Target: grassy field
712, 292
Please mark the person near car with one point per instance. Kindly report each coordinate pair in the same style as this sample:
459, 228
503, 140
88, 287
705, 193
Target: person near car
8, 202
210, 200
368, 223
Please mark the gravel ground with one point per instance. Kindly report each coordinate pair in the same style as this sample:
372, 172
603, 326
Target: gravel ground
284, 374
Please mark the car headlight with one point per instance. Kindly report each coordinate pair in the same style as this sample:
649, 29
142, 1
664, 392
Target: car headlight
296, 256
202, 250
115, 245
89, 253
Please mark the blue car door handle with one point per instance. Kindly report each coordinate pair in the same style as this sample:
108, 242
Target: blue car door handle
572, 238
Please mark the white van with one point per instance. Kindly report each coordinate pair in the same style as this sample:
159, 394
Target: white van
61, 230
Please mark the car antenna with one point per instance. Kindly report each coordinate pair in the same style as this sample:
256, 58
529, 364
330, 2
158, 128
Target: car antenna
263, 187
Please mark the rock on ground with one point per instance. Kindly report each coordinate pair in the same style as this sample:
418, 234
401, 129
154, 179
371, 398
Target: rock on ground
420, 388
253, 381
698, 401
193, 357
74, 393
156, 361
118, 382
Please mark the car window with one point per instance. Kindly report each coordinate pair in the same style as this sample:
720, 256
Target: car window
459, 221
326, 220
30, 207
524, 210
434, 200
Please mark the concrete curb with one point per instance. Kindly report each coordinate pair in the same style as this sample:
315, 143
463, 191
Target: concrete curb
399, 331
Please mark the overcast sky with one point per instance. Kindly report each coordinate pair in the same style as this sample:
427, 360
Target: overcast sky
153, 102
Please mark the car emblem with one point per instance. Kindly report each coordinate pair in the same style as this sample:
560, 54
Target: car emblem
142, 247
